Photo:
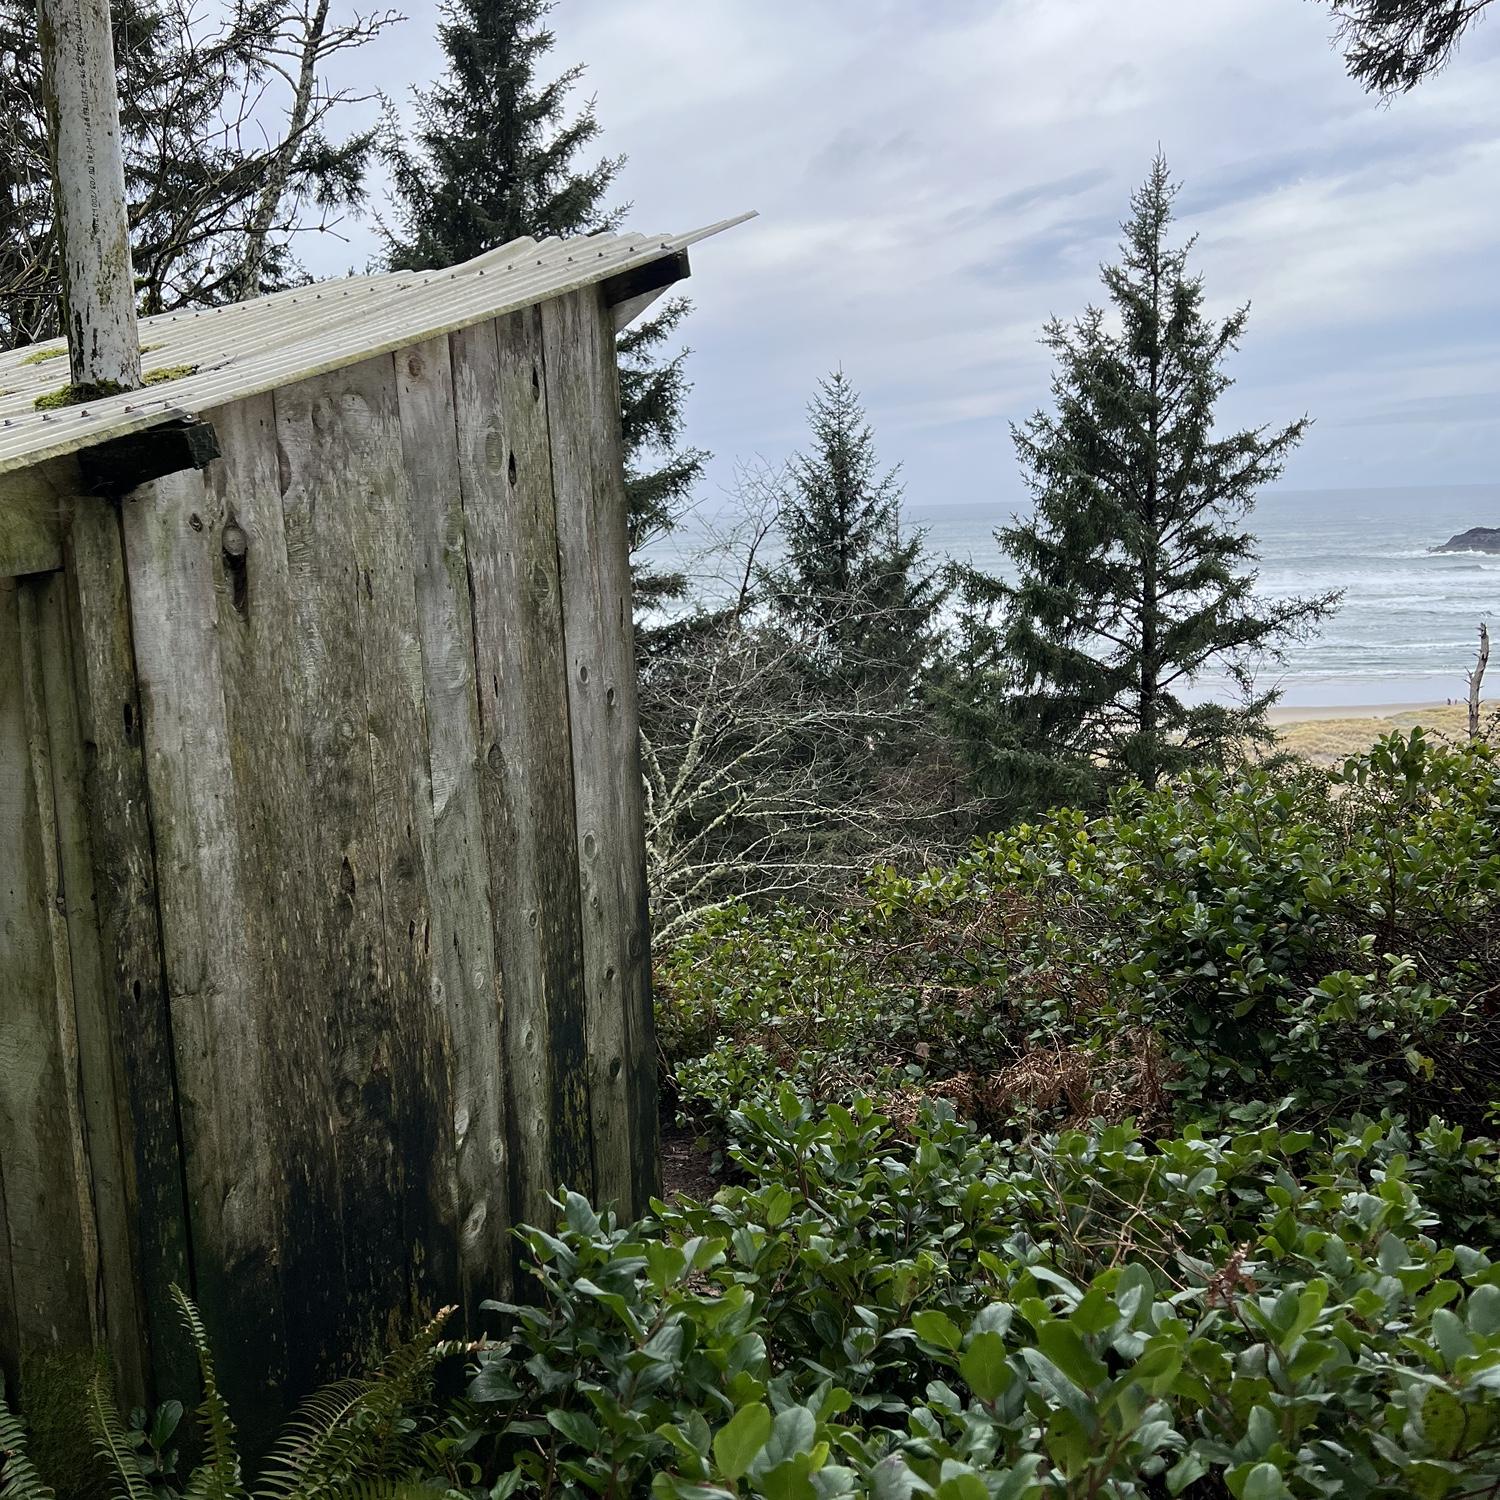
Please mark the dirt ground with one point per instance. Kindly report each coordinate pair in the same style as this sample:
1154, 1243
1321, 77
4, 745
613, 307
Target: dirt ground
686, 1166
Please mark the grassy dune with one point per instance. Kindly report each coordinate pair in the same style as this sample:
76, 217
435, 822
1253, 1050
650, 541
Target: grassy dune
1330, 737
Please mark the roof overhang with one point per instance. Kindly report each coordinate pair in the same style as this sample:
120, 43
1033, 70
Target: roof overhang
228, 353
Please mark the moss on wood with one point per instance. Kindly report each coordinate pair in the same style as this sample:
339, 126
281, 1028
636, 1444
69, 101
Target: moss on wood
55, 1388
168, 372
96, 390
76, 395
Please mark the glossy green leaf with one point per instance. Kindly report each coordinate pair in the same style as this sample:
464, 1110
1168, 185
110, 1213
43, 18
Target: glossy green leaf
740, 1439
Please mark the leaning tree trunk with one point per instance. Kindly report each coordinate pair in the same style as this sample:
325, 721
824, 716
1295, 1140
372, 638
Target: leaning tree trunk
279, 167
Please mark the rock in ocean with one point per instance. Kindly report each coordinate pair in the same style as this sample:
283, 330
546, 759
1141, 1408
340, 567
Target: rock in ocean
1475, 539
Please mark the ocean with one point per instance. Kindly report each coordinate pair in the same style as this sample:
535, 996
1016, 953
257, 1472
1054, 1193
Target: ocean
1406, 631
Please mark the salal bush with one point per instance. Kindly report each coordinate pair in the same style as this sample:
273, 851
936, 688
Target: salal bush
1323, 934
932, 1311
1293, 943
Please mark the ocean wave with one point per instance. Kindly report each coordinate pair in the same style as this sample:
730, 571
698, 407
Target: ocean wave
1441, 554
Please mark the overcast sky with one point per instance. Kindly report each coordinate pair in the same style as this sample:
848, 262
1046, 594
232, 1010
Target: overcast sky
936, 177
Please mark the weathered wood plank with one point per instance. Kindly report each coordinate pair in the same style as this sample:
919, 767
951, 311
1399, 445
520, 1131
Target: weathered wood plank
72, 1149
263, 698
34, 507
328, 437
124, 889
215, 986
527, 793
53, 1247
390, 633
348, 549
99, 1045
588, 481
10, 1333
465, 977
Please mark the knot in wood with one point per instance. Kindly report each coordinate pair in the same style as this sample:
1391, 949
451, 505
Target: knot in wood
236, 543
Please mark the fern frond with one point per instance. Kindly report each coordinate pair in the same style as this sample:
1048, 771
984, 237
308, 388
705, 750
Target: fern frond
218, 1476
300, 1448
392, 1489
357, 1432
404, 1381
18, 1479
415, 1358
113, 1445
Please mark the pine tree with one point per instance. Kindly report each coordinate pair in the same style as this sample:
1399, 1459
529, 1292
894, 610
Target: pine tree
659, 471
496, 151
495, 157
1390, 46
850, 583
1135, 575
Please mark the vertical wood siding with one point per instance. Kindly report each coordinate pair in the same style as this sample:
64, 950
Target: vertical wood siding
527, 801
588, 476
263, 694
66, 1184
465, 975
53, 1247
134, 999
325, 945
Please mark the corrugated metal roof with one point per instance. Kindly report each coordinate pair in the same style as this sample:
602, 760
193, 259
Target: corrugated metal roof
246, 348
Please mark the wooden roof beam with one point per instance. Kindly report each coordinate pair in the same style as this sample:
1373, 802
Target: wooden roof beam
631, 292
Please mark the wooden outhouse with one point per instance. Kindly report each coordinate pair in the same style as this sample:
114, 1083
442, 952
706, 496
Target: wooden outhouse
323, 946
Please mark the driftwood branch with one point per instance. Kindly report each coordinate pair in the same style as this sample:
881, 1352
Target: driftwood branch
1476, 679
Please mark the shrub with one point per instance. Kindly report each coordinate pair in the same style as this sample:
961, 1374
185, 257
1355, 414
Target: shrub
924, 1309
933, 1312
1272, 942
370, 1439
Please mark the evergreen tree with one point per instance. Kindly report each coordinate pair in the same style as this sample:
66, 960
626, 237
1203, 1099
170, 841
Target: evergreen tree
1390, 46
1135, 574
660, 471
496, 157
850, 584
496, 150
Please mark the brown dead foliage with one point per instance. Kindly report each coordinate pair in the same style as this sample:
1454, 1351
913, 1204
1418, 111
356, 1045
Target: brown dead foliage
1072, 1085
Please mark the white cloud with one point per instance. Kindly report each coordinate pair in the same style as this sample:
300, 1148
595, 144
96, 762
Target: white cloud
936, 177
